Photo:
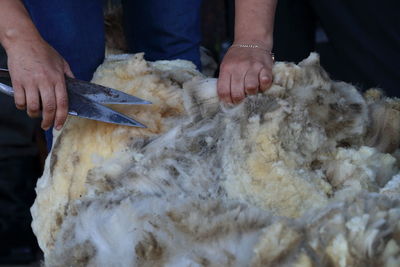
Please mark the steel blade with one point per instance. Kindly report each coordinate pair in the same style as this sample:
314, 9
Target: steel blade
5, 82
82, 107
102, 94
8, 90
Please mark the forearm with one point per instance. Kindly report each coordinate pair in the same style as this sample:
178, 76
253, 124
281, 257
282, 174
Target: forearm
16, 25
254, 22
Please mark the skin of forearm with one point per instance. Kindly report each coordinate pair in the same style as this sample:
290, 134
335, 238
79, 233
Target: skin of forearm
254, 22
16, 25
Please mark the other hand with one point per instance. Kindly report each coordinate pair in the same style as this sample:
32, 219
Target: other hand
244, 71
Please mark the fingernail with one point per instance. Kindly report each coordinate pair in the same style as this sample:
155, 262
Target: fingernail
58, 127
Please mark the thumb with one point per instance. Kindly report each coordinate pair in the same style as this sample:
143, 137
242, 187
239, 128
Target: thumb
67, 70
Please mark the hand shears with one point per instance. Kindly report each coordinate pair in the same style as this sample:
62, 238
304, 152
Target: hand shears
86, 100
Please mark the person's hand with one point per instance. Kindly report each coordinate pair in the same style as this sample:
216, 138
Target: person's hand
244, 71
38, 77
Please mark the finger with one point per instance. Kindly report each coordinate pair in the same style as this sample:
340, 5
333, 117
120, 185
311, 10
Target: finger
237, 88
251, 82
67, 70
32, 101
265, 79
223, 87
62, 105
49, 106
19, 96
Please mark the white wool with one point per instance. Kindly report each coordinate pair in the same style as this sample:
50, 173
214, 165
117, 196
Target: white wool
338, 251
283, 179
392, 188
353, 171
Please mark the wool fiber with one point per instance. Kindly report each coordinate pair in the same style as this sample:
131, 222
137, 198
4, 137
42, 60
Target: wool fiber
305, 174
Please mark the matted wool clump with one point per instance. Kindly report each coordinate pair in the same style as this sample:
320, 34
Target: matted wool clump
305, 174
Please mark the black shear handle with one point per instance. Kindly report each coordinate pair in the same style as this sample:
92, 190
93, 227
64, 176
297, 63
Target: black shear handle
4, 73
5, 77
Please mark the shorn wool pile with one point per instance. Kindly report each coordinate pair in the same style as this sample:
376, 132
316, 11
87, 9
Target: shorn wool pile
305, 174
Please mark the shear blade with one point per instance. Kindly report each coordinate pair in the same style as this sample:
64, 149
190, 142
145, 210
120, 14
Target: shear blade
85, 108
102, 94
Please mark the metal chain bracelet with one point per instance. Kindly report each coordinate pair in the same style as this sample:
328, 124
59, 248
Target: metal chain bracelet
256, 47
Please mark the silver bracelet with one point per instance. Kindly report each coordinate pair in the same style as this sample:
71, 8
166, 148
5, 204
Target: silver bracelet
255, 46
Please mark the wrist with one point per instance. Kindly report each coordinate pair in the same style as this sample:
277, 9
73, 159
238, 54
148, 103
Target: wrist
14, 37
266, 43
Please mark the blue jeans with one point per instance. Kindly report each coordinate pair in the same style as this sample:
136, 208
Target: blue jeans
75, 28
164, 29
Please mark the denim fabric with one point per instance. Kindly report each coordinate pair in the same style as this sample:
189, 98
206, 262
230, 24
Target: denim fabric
164, 29
75, 28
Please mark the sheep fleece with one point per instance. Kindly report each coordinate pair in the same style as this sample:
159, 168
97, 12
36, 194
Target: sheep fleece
305, 174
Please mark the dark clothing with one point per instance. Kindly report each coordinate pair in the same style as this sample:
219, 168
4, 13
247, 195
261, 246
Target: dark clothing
18, 177
16, 131
364, 38
19, 170
164, 29
75, 28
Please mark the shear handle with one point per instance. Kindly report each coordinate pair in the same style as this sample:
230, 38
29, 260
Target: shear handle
4, 73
